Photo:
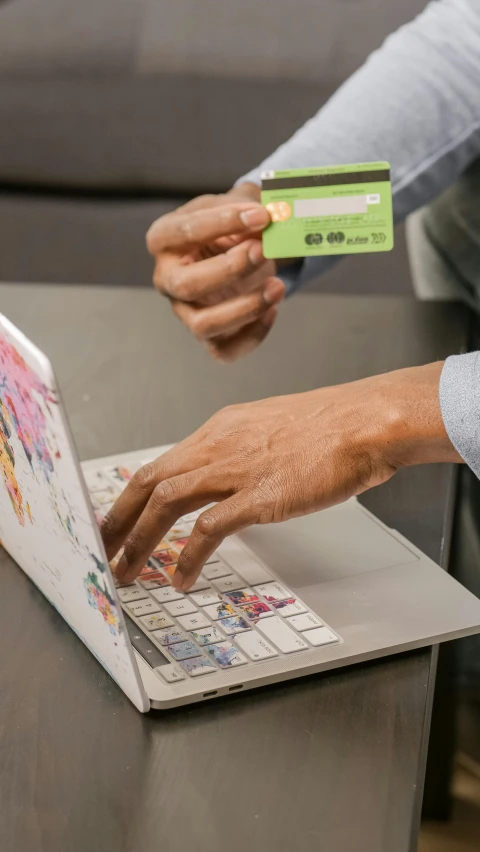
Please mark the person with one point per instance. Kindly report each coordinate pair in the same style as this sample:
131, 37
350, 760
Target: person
416, 104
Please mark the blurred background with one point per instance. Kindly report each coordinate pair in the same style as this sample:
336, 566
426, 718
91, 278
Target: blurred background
113, 112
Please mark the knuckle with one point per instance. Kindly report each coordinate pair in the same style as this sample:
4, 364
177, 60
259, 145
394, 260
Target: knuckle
198, 325
207, 525
107, 527
163, 494
145, 479
180, 286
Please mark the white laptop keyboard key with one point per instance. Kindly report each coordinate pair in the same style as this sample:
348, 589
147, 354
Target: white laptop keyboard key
193, 621
208, 635
167, 594
183, 650
229, 583
209, 596
182, 607
143, 608
320, 636
273, 592
131, 593
289, 607
242, 596
179, 531
106, 498
199, 585
256, 610
169, 636
171, 673
255, 646
281, 635
96, 481
305, 622
198, 666
157, 621
218, 569
226, 655
235, 624
220, 610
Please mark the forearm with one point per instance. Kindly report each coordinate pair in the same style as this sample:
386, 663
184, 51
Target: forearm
415, 103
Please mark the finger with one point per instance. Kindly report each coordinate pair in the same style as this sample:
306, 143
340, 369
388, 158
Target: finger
180, 229
229, 316
244, 341
193, 282
169, 500
226, 518
126, 511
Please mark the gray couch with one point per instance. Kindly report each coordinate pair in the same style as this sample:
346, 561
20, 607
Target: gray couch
114, 111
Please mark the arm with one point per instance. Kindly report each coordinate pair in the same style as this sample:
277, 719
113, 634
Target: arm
415, 103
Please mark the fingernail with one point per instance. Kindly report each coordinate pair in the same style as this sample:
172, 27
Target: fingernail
274, 291
257, 217
255, 253
269, 317
121, 567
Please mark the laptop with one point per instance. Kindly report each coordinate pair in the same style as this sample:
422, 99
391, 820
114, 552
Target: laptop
278, 602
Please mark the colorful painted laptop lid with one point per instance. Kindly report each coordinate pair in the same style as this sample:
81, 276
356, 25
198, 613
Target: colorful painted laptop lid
46, 521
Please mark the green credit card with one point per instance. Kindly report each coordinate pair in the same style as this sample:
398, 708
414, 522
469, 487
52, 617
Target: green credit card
333, 210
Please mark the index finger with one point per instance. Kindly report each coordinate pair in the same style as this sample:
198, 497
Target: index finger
182, 229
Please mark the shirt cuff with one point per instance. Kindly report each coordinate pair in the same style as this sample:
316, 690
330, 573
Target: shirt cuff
460, 406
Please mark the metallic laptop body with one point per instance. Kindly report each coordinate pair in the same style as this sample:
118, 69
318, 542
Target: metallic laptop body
276, 603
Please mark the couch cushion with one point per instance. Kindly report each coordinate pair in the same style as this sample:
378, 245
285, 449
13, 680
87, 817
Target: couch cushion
169, 94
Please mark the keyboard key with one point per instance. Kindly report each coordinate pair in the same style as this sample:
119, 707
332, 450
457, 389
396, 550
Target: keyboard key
105, 498
119, 476
157, 621
320, 636
305, 622
205, 598
96, 481
281, 635
167, 594
273, 592
182, 607
256, 610
153, 581
235, 624
229, 583
183, 650
179, 543
171, 673
198, 666
179, 531
244, 596
218, 569
200, 585
131, 593
208, 635
166, 556
220, 610
193, 621
150, 568
170, 636
226, 655
289, 607
143, 608
255, 646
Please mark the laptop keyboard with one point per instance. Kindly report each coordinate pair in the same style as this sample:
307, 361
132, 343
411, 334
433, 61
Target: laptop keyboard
236, 613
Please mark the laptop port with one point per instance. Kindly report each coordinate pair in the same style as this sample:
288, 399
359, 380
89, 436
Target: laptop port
209, 694
233, 688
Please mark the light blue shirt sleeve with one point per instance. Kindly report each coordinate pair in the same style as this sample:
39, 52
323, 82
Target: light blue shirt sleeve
415, 103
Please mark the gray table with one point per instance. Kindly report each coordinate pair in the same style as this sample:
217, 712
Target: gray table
331, 763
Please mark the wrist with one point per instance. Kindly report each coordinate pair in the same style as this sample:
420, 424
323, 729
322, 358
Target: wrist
410, 427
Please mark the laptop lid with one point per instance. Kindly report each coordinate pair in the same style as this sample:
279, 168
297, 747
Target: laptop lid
46, 520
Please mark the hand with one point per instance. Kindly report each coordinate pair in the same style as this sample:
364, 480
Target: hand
268, 461
209, 263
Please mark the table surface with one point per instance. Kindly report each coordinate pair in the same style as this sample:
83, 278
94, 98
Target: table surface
333, 762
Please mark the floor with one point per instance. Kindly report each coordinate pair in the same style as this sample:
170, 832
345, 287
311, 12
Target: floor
462, 834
